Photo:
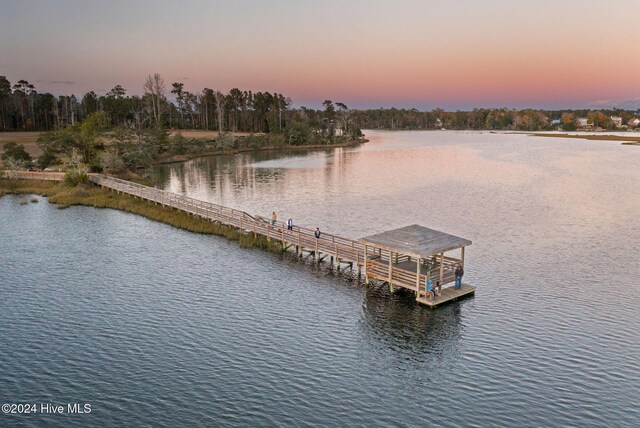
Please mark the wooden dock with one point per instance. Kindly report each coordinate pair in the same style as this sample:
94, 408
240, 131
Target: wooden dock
450, 294
405, 257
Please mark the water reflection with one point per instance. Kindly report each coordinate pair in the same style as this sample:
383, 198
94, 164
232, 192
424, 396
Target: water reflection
215, 177
400, 323
339, 189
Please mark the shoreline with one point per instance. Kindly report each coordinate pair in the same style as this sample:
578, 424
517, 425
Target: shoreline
29, 140
625, 140
187, 157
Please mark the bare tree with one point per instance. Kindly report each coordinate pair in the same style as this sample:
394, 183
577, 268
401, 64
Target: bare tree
220, 98
155, 87
13, 165
344, 111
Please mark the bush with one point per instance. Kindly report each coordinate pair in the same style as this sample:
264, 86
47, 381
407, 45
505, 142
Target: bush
47, 158
178, 144
75, 177
298, 133
14, 151
254, 141
224, 141
111, 162
276, 140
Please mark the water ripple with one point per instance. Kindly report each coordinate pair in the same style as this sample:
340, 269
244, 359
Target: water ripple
158, 327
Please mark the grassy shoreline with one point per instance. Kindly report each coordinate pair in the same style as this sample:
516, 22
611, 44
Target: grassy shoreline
29, 141
187, 157
626, 140
93, 196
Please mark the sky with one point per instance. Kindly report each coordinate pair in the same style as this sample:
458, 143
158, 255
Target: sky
452, 54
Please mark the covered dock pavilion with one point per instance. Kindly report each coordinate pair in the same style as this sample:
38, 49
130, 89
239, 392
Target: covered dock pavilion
408, 256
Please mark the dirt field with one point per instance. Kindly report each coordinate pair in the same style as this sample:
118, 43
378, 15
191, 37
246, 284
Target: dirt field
28, 139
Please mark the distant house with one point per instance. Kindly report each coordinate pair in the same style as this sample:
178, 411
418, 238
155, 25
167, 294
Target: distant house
555, 122
617, 121
582, 122
634, 122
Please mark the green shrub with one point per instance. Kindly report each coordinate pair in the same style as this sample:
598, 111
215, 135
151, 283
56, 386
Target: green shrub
75, 177
14, 151
298, 133
46, 159
225, 141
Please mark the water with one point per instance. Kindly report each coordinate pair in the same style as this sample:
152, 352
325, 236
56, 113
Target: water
154, 326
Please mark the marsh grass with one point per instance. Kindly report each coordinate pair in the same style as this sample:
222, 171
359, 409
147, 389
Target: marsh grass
89, 195
626, 139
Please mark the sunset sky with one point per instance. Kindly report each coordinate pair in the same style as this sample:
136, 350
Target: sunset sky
454, 54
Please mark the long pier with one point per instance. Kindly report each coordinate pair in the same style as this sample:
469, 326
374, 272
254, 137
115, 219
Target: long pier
341, 250
397, 266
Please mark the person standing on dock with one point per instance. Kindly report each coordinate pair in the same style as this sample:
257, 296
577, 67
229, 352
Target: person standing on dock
317, 233
290, 224
274, 217
459, 272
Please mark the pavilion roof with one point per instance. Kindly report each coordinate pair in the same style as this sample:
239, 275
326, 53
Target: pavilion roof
415, 240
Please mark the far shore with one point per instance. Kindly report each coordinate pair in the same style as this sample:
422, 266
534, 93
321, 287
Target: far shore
626, 140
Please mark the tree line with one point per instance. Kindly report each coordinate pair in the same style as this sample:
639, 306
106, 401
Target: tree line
489, 119
23, 108
117, 132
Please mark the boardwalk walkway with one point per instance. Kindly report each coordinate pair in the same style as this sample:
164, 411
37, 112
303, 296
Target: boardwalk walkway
343, 250
396, 269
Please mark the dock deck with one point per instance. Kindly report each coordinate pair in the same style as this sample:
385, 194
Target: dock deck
450, 294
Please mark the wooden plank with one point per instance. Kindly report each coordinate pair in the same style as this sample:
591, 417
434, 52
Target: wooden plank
450, 294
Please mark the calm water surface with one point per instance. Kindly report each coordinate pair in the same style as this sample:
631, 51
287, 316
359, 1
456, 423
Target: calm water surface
154, 326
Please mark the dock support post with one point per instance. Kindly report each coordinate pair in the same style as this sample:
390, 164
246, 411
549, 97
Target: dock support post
315, 254
418, 278
366, 278
441, 270
462, 256
391, 271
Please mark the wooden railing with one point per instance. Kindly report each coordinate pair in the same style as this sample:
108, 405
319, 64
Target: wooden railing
378, 268
343, 250
34, 175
